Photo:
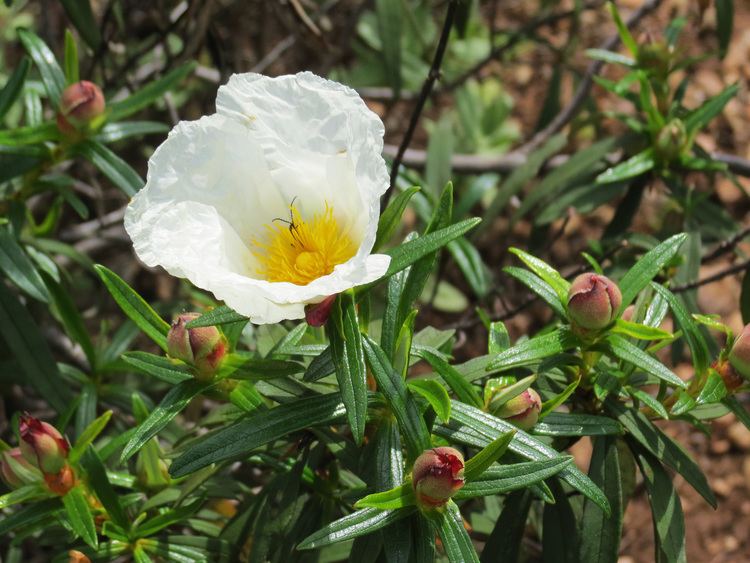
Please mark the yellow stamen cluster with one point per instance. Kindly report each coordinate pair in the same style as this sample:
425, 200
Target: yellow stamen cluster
299, 251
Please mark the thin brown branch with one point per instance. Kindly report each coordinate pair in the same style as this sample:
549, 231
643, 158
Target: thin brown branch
734, 269
429, 83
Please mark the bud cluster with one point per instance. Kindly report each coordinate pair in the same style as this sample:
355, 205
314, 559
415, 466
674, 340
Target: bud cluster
42, 454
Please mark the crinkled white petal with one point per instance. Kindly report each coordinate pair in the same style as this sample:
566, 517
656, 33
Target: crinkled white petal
215, 183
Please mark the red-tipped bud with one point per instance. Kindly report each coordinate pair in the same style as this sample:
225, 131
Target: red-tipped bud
15, 470
739, 355
593, 301
522, 410
80, 105
42, 445
202, 347
318, 313
437, 475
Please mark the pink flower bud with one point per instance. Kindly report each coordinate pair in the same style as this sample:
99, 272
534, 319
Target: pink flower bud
9, 470
318, 313
81, 103
437, 475
522, 410
75, 556
739, 355
593, 301
202, 347
42, 445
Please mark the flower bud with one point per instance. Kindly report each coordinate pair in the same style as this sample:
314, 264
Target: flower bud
593, 301
80, 105
17, 472
522, 410
42, 445
317, 314
202, 347
655, 56
739, 355
62, 481
671, 140
437, 475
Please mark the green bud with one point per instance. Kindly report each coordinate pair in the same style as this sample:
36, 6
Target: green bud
437, 475
655, 56
202, 347
671, 140
593, 301
522, 410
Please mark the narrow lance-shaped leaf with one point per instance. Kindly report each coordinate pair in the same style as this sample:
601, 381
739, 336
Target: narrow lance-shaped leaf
80, 516
44, 59
456, 541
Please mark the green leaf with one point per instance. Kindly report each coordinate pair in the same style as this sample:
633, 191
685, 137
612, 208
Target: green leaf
29, 515
71, 318
149, 93
215, 317
601, 541
112, 166
16, 265
79, 515
260, 427
349, 362
560, 536
610, 57
134, 306
538, 286
551, 404
504, 543
639, 331
88, 436
398, 497
14, 86
24, 493
552, 277
158, 367
738, 410
397, 395
663, 447
622, 30
633, 355
113, 132
357, 524
488, 455
700, 117
437, 170
406, 254
159, 522
246, 397
80, 14
44, 59
724, 24
98, 482
690, 330
503, 479
469, 260
632, 167
170, 406
714, 390
389, 15
494, 397
532, 350
391, 217
482, 428
71, 57
464, 390
666, 509
435, 394
456, 541
647, 267
566, 424
29, 346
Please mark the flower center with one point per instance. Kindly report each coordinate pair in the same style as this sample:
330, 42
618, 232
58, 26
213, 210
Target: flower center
299, 251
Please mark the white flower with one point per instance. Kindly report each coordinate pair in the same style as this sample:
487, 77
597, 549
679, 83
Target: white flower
271, 203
